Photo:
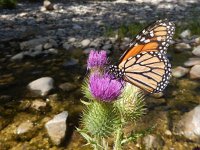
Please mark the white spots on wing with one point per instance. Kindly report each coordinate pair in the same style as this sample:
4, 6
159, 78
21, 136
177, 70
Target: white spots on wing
142, 39
159, 38
146, 41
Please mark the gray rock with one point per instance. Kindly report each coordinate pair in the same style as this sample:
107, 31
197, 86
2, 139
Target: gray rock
53, 43
67, 86
196, 51
67, 46
85, 43
192, 61
48, 45
96, 43
182, 46
38, 47
189, 125
185, 34
179, 72
24, 127
153, 142
41, 86
71, 62
18, 56
87, 50
48, 5
61, 32
38, 105
53, 51
195, 72
107, 46
77, 27
31, 44
57, 127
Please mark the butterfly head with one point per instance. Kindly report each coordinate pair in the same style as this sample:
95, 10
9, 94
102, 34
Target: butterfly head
116, 71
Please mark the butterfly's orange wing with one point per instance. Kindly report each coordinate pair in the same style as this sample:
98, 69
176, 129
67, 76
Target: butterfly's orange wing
155, 37
148, 70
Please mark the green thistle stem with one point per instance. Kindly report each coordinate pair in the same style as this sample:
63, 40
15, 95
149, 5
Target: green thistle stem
119, 134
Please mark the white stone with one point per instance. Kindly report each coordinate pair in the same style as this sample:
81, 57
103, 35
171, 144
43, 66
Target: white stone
189, 125
179, 71
53, 51
182, 46
57, 127
185, 34
195, 72
18, 56
153, 142
192, 61
24, 127
85, 43
42, 85
196, 51
38, 105
48, 45
72, 39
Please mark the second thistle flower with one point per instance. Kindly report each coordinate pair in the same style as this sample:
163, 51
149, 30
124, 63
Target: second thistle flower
104, 88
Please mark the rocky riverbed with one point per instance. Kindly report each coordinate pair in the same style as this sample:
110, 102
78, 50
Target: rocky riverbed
43, 51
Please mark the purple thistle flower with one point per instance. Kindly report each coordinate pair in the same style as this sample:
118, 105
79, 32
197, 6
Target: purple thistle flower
96, 59
104, 88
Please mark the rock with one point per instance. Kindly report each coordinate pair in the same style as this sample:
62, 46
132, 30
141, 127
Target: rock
18, 56
189, 125
67, 46
71, 39
31, 44
96, 43
192, 61
197, 40
53, 43
85, 43
24, 127
107, 46
185, 34
5, 98
182, 46
87, 50
48, 45
153, 142
196, 51
179, 72
168, 133
77, 27
41, 86
57, 127
38, 105
67, 86
195, 72
53, 51
158, 95
71, 62
38, 47
48, 5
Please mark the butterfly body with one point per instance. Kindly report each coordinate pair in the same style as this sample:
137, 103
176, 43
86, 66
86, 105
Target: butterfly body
144, 63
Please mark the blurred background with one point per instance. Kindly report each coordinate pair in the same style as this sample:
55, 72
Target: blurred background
44, 46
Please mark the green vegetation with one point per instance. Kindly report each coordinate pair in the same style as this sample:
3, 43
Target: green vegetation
129, 30
9, 4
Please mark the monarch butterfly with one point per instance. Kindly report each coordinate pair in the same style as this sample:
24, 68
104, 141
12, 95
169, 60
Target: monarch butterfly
144, 63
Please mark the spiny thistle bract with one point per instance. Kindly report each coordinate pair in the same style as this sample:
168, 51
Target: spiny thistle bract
100, 119
131, 103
